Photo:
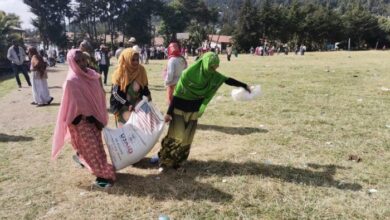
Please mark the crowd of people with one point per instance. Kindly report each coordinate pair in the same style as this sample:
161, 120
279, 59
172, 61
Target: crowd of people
83, 112
270, 50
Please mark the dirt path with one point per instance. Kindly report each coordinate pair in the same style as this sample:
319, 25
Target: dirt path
17, 114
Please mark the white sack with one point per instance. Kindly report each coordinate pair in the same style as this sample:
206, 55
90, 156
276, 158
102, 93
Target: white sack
129, 144
240, 94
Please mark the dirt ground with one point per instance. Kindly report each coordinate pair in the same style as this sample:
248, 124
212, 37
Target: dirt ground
16, 104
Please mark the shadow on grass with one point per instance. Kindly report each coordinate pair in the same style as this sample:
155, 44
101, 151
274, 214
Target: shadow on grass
55, 87
6, 76
51, 104
232, 130
13, 138
185, 186
314, 175
167, 186
54, 70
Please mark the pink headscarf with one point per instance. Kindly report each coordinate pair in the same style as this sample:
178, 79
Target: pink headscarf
82, 95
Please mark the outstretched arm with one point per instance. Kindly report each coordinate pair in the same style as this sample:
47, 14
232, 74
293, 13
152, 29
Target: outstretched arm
233, 82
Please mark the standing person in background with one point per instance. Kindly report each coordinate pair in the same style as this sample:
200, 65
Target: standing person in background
229, 51
119, 50
129, 84
82, 116
147, 49
132, 42
176, 64
235, 51
52, 56
195, 89
85, 46
41, 95
17, 56
103, 59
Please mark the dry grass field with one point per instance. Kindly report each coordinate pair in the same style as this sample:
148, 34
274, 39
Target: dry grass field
291, 154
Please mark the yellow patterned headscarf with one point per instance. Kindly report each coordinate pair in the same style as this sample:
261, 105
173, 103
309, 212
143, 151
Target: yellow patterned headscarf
126, 73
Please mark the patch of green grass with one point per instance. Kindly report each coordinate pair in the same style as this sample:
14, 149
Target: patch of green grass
7, 83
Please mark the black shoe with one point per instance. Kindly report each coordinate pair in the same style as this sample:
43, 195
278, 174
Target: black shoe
34, 103
49, 102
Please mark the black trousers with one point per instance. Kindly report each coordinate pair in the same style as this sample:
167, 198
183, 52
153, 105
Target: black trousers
20, 68
228, 57
104, 70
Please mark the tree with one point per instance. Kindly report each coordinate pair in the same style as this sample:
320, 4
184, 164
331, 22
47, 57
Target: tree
87, 17
111, 14
50, 19
384, 25
7, 23
197, 34
181, 15
136, 20
361, 26
248, 27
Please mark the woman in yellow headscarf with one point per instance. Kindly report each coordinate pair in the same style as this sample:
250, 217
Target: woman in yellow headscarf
130, 83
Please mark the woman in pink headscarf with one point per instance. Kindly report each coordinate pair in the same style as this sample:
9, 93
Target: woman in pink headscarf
81, 117
176, 64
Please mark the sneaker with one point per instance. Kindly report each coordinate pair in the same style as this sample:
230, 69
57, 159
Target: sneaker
102, 183
77, 160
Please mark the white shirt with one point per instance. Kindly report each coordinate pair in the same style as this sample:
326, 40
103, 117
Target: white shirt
51, 53
137, 48
13, 56
118, 52
175, 67
102, 58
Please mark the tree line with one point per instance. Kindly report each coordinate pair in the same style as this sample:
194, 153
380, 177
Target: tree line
313, 23
134, 18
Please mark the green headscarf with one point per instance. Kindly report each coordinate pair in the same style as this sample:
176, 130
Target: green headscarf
200, 81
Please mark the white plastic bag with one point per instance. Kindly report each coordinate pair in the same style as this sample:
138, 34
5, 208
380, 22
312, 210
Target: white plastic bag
129, 144
240, 94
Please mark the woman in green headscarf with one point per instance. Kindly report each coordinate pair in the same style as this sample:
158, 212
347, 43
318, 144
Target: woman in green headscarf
196, 87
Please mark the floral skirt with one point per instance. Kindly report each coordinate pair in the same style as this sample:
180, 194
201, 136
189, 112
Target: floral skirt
86, 139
